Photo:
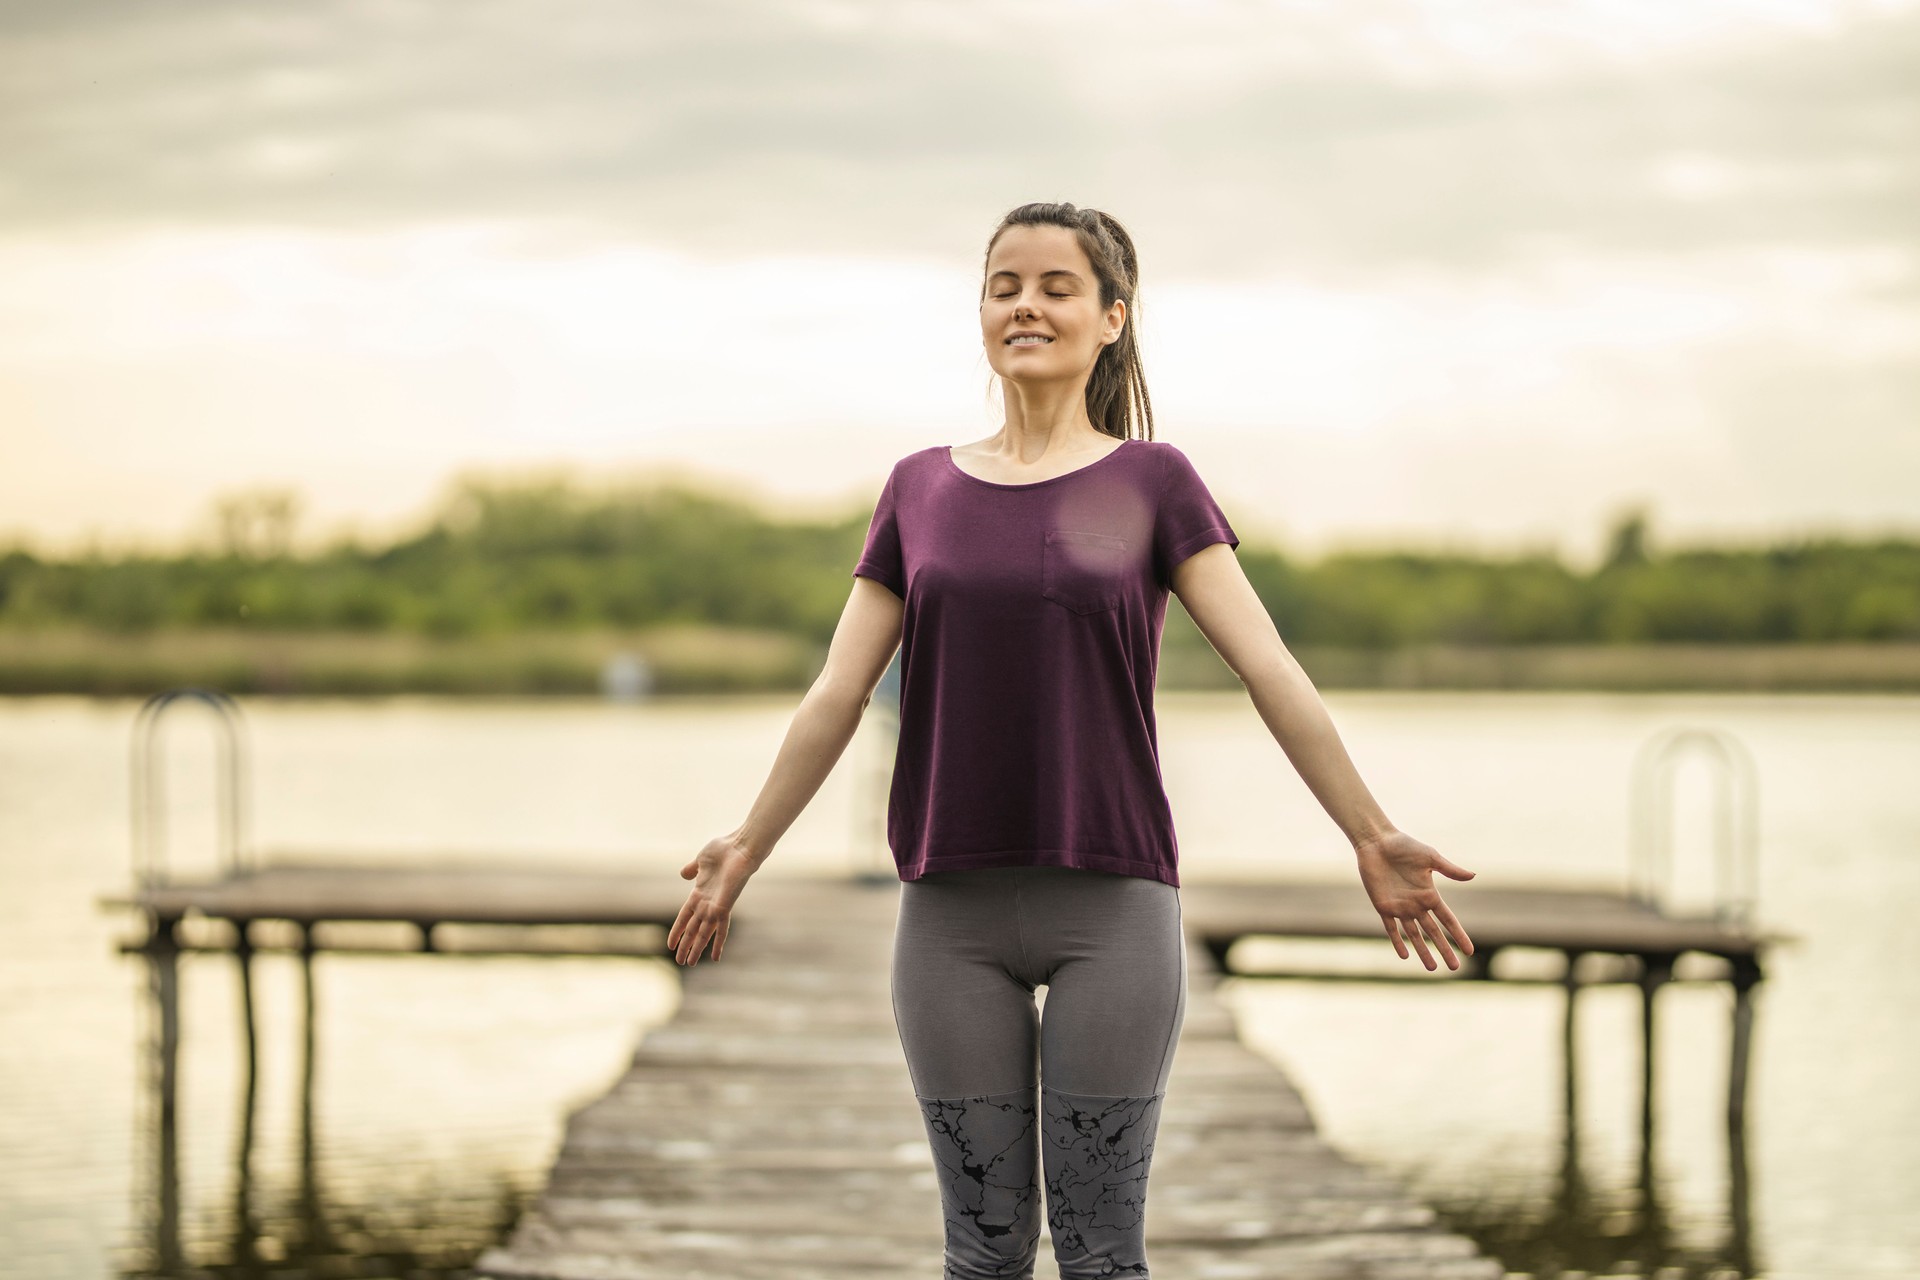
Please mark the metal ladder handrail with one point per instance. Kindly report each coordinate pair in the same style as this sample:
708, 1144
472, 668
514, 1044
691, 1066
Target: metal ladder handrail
149, 785
1736, 820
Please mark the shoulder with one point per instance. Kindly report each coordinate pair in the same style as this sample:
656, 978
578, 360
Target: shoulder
917, 462
1167, 459
1163, 451
919, 459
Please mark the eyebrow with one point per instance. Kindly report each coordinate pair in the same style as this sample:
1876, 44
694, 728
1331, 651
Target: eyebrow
1057, 271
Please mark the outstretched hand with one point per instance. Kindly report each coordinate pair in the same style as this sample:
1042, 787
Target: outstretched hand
719, 872
1397, 871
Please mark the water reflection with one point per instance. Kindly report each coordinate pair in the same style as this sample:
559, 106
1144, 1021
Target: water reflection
300, 1233
1580, 1226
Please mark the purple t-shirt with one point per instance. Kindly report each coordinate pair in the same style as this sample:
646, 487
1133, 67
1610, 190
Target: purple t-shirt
1028, 652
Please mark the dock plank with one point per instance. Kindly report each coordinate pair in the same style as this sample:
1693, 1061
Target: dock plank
770, 1128
1581, 918
1594, 917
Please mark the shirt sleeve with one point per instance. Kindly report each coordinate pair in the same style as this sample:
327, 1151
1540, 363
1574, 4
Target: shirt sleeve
1187, 517
881, 559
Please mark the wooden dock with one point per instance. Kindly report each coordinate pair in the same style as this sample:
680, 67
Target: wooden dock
498, 891
770, 1129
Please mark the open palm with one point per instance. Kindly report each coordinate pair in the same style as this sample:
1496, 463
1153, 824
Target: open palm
1397, 871
719, 872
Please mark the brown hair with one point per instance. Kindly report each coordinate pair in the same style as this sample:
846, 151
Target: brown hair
1116, 388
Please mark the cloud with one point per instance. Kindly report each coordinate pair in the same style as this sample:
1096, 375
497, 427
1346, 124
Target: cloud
1235, 138
1490, 267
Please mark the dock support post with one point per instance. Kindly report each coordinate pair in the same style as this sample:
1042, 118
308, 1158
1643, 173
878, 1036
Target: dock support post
1746, 976
311, 1216
1655, 970
163, 960
245, 1229
1571, 1187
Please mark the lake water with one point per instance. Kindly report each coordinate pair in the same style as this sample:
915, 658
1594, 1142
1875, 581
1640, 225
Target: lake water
441, 1083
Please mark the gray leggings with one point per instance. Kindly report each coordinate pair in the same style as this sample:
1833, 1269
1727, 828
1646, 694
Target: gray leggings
969, 950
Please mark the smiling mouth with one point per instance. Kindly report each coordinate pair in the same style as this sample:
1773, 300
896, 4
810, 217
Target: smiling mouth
1028, 342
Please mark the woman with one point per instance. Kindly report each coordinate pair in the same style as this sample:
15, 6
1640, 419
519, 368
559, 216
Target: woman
1024, 579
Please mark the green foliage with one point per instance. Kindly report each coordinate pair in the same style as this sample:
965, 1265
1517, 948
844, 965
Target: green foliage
547, 557
1627, 540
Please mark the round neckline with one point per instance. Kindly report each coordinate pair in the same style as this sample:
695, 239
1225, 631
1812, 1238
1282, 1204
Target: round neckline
947, 453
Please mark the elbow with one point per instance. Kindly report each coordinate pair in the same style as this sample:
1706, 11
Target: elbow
1273, 669
850, 695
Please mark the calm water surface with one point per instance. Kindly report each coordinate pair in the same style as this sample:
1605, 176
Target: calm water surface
441, 1083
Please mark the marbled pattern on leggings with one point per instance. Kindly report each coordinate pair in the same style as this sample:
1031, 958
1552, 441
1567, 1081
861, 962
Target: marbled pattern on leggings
1097, 1152
987, 1153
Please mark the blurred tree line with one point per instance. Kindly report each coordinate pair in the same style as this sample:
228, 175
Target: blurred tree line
503, 557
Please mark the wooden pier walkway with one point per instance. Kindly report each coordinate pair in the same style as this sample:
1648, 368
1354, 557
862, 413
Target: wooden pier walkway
770, 1130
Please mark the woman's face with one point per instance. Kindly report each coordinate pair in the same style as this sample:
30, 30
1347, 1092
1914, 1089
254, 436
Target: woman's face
1039, 281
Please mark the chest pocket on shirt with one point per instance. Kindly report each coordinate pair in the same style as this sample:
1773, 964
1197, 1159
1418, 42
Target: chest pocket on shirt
1084, 571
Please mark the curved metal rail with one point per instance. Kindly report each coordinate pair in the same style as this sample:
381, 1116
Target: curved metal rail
1736, 820
149, 784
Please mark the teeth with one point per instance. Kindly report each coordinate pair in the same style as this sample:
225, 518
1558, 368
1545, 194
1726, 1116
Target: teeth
1025, 341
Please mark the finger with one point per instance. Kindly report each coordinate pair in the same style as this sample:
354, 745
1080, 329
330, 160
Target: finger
687, 950
1419, 943
674, 931
1439, 939
1407, 933
687, 872
720, 943
1447, 867
1394, 938
1454, 927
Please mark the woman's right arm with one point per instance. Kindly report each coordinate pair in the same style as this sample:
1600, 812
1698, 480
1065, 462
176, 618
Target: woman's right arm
863, 644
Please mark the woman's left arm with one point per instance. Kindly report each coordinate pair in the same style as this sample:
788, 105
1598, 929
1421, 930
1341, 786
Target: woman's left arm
1395, 869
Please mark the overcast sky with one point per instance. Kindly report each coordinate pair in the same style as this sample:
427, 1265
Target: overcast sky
1414, 271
